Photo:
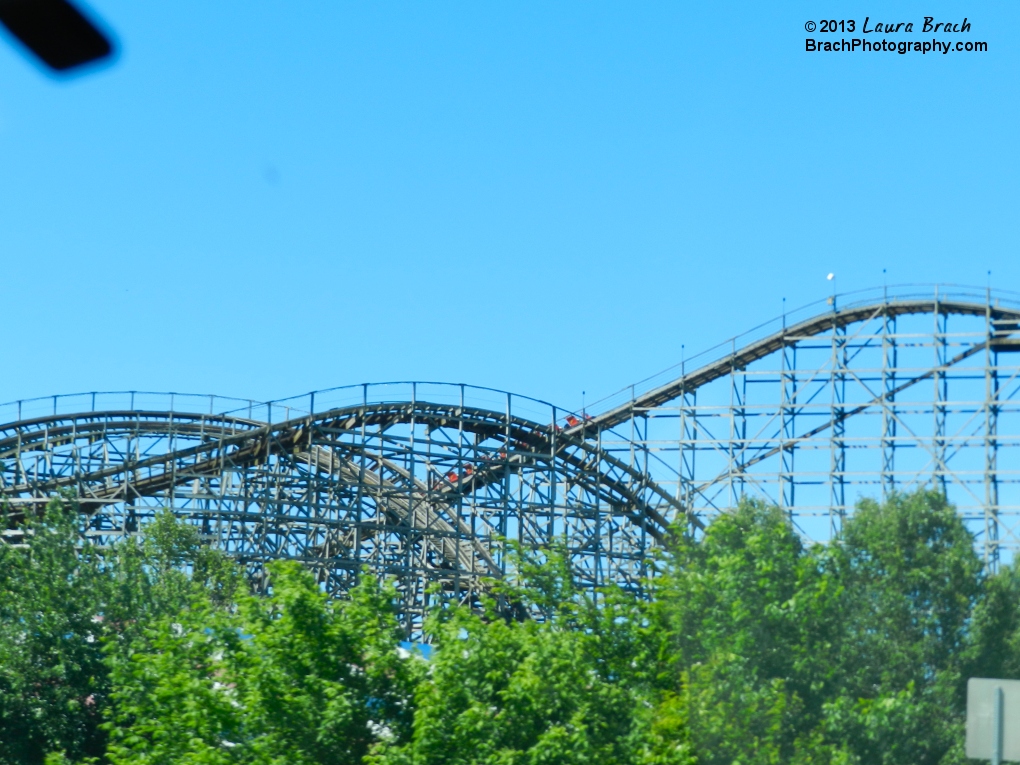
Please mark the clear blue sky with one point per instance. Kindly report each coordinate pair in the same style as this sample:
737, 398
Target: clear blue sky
260, 198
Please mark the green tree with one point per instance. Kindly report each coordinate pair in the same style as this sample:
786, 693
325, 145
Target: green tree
566, 685
285, 678
53, 683
745, 618
912, 581
750, 648
994, 649
857, 651
62, 598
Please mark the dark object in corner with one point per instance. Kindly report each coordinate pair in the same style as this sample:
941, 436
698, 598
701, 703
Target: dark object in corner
55, 31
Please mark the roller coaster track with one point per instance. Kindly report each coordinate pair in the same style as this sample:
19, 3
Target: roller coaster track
961, 434
777, 341
432, 493
355, 456
243, 443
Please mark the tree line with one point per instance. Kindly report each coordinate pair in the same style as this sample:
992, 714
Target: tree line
747, 646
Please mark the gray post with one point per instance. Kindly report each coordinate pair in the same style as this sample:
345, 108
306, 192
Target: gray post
997, 727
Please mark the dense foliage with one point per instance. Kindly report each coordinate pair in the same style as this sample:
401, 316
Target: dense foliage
748, 647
